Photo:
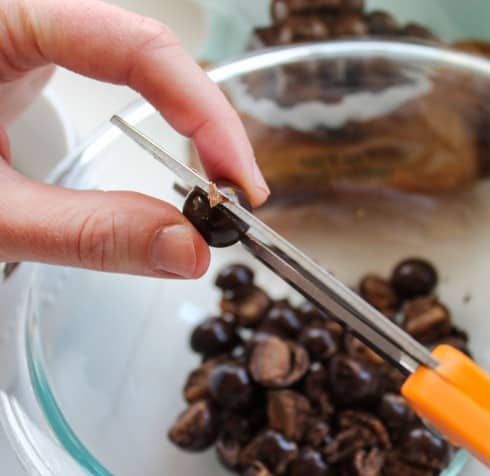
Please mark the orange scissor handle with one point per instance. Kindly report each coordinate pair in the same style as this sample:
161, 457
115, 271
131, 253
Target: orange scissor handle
455, 399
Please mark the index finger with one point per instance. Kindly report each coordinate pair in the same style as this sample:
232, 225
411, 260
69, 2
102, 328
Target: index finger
111, 44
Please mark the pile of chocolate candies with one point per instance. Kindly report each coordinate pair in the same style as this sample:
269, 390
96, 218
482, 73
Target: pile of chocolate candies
296, 21
288, 391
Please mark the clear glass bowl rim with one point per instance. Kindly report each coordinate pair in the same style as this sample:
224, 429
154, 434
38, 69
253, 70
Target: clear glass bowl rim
140, 110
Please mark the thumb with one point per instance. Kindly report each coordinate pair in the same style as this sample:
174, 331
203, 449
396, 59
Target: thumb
108, 231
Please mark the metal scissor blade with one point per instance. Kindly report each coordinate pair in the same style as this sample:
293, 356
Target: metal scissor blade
313, 281
318, 294
303, 273
189, 176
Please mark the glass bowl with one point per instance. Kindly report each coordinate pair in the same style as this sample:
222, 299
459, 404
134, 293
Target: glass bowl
231, 22
98, 360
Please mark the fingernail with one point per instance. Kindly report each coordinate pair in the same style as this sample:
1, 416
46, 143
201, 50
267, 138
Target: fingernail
259, 179
4, 159
4, 145
173, 251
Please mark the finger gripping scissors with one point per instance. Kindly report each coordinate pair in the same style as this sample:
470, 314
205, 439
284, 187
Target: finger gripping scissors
445, 387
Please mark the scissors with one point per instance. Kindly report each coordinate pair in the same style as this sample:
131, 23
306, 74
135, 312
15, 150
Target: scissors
445, 387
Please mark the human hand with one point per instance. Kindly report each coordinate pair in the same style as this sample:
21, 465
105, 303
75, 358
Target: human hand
112, 231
